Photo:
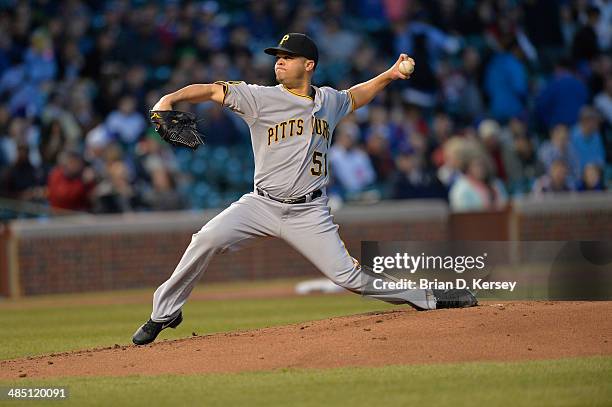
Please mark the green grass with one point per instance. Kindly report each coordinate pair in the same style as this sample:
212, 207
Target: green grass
568, 382
36, 330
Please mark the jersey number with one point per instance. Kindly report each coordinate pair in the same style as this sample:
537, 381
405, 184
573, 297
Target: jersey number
318, 165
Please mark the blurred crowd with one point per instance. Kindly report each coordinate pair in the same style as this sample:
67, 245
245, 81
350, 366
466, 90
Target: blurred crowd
508, 98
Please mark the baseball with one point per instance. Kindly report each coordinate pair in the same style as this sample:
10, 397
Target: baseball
406, 67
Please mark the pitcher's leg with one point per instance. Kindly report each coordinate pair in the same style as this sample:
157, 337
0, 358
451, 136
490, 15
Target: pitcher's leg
243, 220
314, 234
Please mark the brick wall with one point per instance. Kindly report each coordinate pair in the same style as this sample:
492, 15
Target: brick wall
564, 217
115, 252
96, 262
138, 250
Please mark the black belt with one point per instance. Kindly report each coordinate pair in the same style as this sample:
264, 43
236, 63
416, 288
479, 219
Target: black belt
301, 199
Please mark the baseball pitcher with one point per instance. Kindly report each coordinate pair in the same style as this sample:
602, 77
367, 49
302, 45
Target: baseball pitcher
291, 126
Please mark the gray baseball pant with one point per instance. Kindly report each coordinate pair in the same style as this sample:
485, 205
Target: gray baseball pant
308, 227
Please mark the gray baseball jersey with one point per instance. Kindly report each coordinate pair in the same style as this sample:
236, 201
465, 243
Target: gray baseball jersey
290, 133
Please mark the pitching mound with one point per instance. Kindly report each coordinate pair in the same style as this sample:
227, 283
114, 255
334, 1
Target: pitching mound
500, 332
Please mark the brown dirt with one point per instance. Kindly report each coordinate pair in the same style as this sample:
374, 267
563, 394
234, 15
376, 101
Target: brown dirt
500, 332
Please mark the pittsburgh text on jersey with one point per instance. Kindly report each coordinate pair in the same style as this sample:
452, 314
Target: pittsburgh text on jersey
295, 127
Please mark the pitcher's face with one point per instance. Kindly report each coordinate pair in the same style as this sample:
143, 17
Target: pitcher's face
289, 68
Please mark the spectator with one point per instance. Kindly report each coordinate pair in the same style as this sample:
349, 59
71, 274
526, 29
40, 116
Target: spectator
585, 45
378, 150
506, 83
586, 139
392, 126
555, 180
454, 152
126, 123
22, 180
15, 131
40, 62
520, 159
379, 124
561, 99
597, 72
335, 43
477, 189
591, 179
163, 195
441, 131
219, 128
152, 153
604, 26
70, 183
423, 82
434, 41
568, 24
52, 141
462, 88
412, 180
489, 133
351, 166
96, 141
115, 192
559, 148
603, 100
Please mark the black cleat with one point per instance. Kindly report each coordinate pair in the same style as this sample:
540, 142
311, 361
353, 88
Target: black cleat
454, 299
149, 331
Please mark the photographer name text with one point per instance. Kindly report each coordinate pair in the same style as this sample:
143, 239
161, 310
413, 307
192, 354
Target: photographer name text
435, 284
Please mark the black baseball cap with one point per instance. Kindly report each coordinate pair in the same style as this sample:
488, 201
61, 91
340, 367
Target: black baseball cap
296, 44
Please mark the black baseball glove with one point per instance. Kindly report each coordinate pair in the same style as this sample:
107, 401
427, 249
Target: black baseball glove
177, 128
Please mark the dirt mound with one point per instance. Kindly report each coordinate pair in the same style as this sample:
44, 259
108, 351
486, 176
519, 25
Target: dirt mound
501, 332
